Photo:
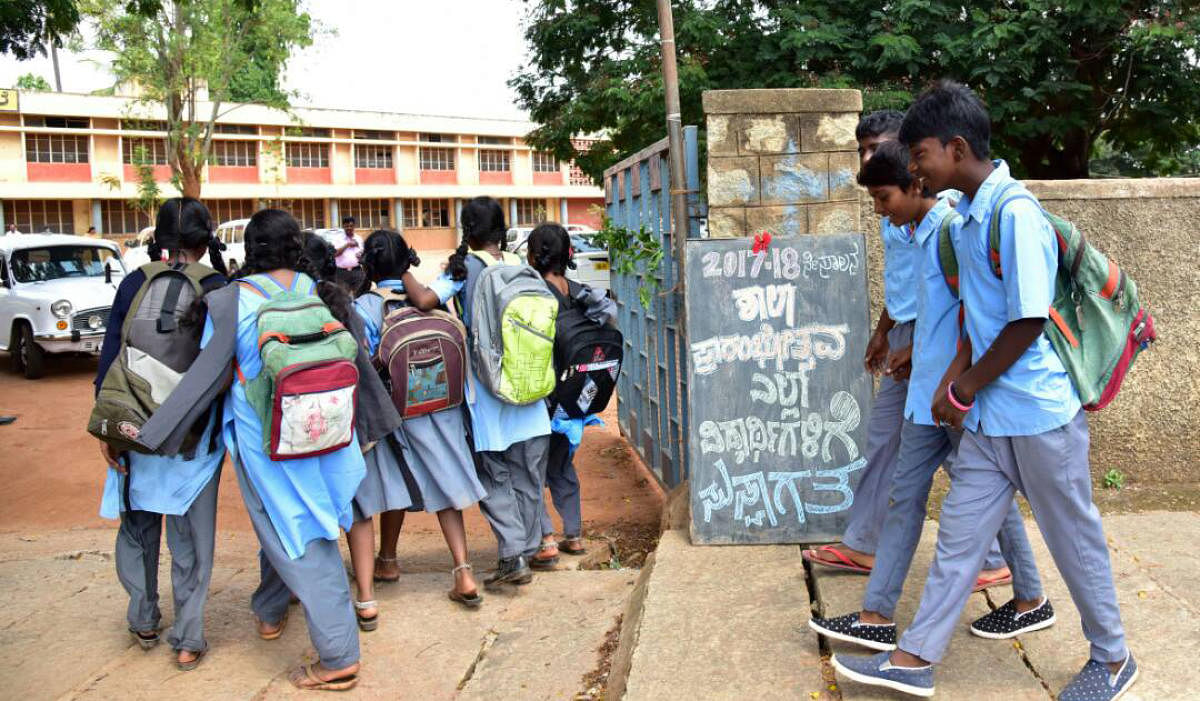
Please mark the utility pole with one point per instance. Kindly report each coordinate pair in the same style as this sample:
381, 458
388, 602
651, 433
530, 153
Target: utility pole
679, 192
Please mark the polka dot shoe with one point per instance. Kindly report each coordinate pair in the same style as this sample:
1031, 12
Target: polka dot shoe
1005, 622
848, 628
876, 670
1096, 683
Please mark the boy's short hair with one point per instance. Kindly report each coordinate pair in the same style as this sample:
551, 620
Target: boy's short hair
878, 123
945, 110
889, 166
349, 220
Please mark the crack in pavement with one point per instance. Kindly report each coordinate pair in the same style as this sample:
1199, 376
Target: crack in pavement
489, 639
1019, 647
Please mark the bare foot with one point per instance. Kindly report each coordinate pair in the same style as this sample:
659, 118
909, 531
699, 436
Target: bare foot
271, 631
857, 557
901, 658
464, 582
548, 548
998, 573
387, 569
873, 618
187, 657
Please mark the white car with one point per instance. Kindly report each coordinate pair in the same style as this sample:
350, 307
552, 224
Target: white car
231, 233
591, 261
56, 293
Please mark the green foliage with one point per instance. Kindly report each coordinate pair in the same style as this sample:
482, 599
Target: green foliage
1114, 479
1056, 75
32, 81
29, 27
633, 253
173, 50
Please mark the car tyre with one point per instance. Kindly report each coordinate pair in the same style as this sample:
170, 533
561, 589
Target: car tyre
29, 355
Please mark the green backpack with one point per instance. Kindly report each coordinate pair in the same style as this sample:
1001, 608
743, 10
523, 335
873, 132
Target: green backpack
1096, 323
513, 317
306, 393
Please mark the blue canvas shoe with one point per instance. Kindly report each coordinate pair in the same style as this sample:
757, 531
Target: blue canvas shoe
876, 670
1096, 683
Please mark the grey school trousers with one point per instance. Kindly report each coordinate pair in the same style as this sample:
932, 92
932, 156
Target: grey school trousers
883, 444
563, 484
190, 538
922, 450
1051, 470
317, 578
514, 480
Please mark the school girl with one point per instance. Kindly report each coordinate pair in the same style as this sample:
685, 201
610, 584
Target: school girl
550, 254
141, 489
510, 441
430, 450
297, 506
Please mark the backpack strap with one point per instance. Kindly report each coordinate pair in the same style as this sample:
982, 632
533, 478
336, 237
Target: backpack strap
946, 256
506, 258
1010, 193
166, 315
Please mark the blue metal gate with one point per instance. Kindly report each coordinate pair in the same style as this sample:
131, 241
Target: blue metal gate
652, 389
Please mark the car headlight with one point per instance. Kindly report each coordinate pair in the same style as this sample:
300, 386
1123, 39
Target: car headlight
61, 309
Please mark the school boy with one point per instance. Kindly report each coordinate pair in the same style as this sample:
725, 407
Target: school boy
924, 445
1028, 431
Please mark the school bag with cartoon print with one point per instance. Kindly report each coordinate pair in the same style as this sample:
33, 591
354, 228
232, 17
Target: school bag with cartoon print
587, 357
512, 330
1096, 323
306, 393
155, 353
424, 355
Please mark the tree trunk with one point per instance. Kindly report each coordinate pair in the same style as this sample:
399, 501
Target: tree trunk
189, 178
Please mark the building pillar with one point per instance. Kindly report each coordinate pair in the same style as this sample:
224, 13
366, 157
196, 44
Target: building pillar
782, 161
97, 219
562, 211
398, 205
334, 220
512, 211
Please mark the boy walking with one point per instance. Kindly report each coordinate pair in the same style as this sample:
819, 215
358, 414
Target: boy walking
1028, 431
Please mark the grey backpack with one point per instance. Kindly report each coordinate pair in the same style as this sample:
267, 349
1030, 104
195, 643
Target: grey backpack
155, 353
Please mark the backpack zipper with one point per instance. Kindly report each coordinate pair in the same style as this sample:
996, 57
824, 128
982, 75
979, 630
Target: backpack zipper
530, 329
404, 339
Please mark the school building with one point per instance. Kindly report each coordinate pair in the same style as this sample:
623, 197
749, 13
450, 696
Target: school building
69, 162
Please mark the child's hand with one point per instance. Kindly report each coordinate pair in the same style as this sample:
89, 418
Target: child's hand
110, 456
877, 352
899, 364
945, 413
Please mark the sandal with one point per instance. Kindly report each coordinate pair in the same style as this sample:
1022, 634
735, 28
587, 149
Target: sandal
538, 562
147, 642
189, 666
572, 546
272, 635
982, 583
305, 678
840, 561
469, 600
386, 561
366, 623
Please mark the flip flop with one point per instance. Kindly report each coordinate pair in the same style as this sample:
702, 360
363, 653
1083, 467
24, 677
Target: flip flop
366, 623
146, 643
565, 545
305, 679
189, 666
470, 600
275, 635
988, 582
843, 561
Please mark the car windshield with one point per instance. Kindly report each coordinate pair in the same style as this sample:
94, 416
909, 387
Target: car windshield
584, 244
54, 262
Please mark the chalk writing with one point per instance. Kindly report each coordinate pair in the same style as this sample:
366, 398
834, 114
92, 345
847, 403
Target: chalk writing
826, 264
784, 388
752, 437
758, 303
747, 491
825, 341
784, 263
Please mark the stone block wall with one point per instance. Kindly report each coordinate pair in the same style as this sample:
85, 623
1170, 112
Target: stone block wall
783, 161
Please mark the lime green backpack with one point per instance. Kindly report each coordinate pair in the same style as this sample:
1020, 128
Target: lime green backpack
1096, 323
306, 393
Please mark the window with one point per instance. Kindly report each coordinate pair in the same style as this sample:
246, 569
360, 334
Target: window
368, 214
495, 140
235, 129
139, 151
55, 262
374, 135
313, 132
433, 158
56, 148
307, 155
530, 212
228, 210
310, 213
577, 176
493, 161
36, 216
372, 156
143, 125
544, 162
235, 153
119, 218
426, 214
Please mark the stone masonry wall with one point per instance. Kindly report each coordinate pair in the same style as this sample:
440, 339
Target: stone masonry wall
784, 161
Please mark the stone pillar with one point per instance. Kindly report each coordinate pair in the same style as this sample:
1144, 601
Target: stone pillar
783, 161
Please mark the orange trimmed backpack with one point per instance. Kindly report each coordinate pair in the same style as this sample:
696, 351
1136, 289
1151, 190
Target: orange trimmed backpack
1096, 323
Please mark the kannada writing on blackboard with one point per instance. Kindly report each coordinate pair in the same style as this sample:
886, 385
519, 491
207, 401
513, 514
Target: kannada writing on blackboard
746, 491
784, 263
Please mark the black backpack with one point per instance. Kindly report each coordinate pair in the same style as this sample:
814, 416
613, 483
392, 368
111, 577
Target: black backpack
587, 357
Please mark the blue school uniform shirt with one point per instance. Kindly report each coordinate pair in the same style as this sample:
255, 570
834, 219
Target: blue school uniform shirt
1035, 394
936, 333
901, 258
306, 498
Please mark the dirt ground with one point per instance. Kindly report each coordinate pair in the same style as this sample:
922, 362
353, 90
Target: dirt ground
53, 473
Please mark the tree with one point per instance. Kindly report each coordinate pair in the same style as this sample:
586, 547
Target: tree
1056, 75
28, 27
175, 50
32, 81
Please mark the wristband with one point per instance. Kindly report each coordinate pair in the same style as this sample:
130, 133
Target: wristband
954, 400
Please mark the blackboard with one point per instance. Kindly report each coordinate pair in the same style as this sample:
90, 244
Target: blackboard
779, 399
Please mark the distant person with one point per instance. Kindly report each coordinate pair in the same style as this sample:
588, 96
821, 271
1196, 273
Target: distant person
11, 230
348, 252
92, 232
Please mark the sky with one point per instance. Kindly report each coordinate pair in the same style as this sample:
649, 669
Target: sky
448, 57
